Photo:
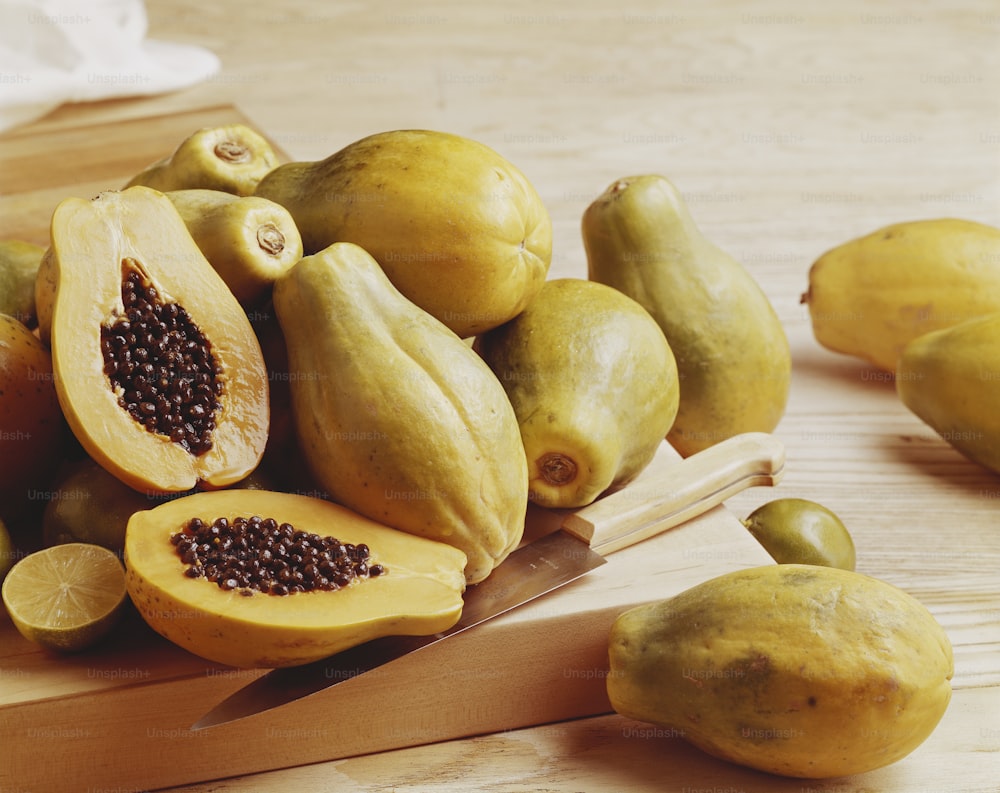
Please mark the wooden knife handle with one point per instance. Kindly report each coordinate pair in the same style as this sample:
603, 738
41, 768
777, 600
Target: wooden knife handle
672, 490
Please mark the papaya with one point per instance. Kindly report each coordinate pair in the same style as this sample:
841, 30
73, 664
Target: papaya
593, 384
868, 297
798, 670
32, 430
399, 419
458, 229
19, 262
249, 241
252, 578
230, 157
90, 505
157, 368
733, 357
950, 379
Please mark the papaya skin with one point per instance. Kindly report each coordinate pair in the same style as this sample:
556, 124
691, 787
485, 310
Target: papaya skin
458, 229
593, 383
249, 240
733, 357
798, 670
32, 431
19, 262
872, 295
399, 419
950, 379
232, 158
421, 592
94, 243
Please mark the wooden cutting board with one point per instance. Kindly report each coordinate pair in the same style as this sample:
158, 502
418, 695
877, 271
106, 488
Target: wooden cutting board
118, 718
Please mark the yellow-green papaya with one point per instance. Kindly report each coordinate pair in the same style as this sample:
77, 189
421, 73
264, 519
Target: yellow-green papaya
733, 357
870, 296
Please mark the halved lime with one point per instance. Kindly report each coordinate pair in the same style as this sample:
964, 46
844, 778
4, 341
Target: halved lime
67, 597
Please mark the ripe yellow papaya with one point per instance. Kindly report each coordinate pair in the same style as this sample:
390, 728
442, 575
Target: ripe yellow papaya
870, 296
950, 379
459, 229
800, 670
231, 157
249, 240
399, 419
593, 383
732, 354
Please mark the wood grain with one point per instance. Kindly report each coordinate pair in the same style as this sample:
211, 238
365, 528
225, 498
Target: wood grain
790, 127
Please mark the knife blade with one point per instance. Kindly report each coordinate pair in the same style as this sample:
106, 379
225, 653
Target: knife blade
665, 495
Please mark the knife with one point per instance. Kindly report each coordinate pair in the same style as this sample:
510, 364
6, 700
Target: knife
666, 494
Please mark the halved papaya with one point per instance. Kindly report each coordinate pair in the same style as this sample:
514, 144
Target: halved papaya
241, 609
157, 367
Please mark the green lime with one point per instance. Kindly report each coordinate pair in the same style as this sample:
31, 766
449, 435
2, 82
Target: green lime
67, 597
799, 531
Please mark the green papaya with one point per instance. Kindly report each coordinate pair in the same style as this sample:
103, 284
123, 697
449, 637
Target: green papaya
399, 419
732, 353
593, 383
950, 379
459, 230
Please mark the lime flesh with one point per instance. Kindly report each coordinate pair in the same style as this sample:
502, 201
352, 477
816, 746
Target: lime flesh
67, 597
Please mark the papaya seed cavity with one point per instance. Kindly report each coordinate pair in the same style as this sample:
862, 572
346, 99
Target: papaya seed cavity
262, 555
160, 365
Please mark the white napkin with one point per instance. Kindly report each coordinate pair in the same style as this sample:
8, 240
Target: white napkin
56, 51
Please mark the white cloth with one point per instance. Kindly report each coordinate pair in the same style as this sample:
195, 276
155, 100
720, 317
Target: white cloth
56, 51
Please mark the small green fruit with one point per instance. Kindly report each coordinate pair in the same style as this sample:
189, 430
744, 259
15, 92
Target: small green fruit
799, 531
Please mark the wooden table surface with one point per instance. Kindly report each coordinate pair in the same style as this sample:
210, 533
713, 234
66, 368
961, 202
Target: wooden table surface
790, 128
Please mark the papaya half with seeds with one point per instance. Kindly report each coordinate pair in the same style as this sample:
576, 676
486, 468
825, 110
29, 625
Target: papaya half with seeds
459, 230
157, 368
231, 157
236, 614
594, 386
249, 240
398, 417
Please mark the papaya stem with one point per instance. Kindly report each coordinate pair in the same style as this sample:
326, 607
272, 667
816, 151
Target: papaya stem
270, 239
232, 151
556, 468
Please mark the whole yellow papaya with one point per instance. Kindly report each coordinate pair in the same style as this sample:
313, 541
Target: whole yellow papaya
248, 240
459, 230
799, 670
872, 295
732, 354
399, 419
230, 157
593, 383
950, 379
